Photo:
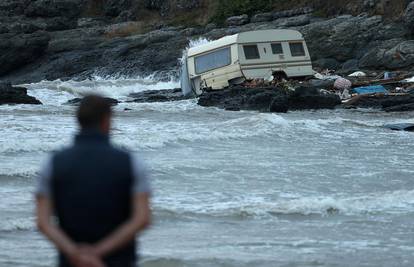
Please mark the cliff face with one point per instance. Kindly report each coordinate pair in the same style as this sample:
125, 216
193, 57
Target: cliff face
51, 39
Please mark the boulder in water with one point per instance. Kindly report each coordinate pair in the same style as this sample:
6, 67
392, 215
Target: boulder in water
409, 127
15, 95
77, 101
164, 95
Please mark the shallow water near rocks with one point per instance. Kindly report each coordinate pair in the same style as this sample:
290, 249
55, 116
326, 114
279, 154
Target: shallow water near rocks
314, 188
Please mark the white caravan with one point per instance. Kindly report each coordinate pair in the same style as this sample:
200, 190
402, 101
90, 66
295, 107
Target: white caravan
248, 55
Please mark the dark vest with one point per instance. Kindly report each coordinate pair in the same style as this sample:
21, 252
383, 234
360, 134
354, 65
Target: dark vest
91, 190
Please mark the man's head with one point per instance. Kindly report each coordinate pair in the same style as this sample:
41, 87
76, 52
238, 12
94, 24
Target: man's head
94, 112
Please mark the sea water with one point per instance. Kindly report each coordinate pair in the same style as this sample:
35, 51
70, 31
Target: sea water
309, 188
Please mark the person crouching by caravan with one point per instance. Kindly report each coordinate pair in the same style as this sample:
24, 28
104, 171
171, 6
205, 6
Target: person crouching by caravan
99, 195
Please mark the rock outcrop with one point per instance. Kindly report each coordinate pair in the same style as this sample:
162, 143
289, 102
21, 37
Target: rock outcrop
19, 50
269, 99
15, 95
165, 95
64, 39
384, 102
77, 101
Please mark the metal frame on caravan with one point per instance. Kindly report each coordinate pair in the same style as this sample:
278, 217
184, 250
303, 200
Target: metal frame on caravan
248, 55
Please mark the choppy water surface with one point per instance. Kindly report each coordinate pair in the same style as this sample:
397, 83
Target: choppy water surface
326, 188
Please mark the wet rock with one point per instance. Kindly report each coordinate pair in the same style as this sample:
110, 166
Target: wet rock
13, 7
387, 103
350, 66
210, 27
54, 8
165, 95
15, 95
348, 37
291, 12
409, 15
268, 99
293, 21
77, 101
400, 108
323, 84
237, 20
262, 17
90, 22
312, 98
113, 8
21, 49
409, 127
400, 56
326, 63
279, 104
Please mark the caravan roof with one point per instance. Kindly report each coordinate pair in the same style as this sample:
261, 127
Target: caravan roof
247, 37
225, 41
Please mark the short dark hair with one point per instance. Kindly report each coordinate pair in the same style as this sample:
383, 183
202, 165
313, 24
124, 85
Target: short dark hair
92, 111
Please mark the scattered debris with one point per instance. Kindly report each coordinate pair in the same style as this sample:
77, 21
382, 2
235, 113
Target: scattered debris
358, 74
373, 89
326, 76
410, 80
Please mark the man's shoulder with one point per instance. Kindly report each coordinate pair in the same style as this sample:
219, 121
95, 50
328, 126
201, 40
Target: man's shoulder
121, 152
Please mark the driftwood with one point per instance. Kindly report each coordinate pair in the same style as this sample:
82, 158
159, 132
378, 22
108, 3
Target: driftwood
393, 81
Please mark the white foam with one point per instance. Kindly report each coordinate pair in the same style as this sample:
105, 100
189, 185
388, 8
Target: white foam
58, 92
146, 134
410, 80
17, 224
393, 202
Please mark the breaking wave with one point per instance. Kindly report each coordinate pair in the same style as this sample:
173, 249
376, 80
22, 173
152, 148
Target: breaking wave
395, 202
58, 92
18, 224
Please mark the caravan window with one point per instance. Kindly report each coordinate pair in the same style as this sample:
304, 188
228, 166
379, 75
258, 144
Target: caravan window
251, 52
297, 50
277, 49
213, 60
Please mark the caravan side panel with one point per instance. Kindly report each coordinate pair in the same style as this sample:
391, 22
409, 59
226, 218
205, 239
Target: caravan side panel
262, 59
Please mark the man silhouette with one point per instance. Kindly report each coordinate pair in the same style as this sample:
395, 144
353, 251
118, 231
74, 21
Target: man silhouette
98, 194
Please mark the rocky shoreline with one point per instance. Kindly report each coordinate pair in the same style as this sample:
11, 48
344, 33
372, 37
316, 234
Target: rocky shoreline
15, 95
52, 39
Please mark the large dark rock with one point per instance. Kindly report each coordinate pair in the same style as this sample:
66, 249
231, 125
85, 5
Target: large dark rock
326, 63
77, 101
13, 7
387, 103
409, 127
350, 66
400, 108
237, 20
400, 56
300, 20
268, 99
165, 95
83, 53
262, 17
113, 8
347, 37
18, 50
312, 98
409, 16
15, 95
292, 12
54, 8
